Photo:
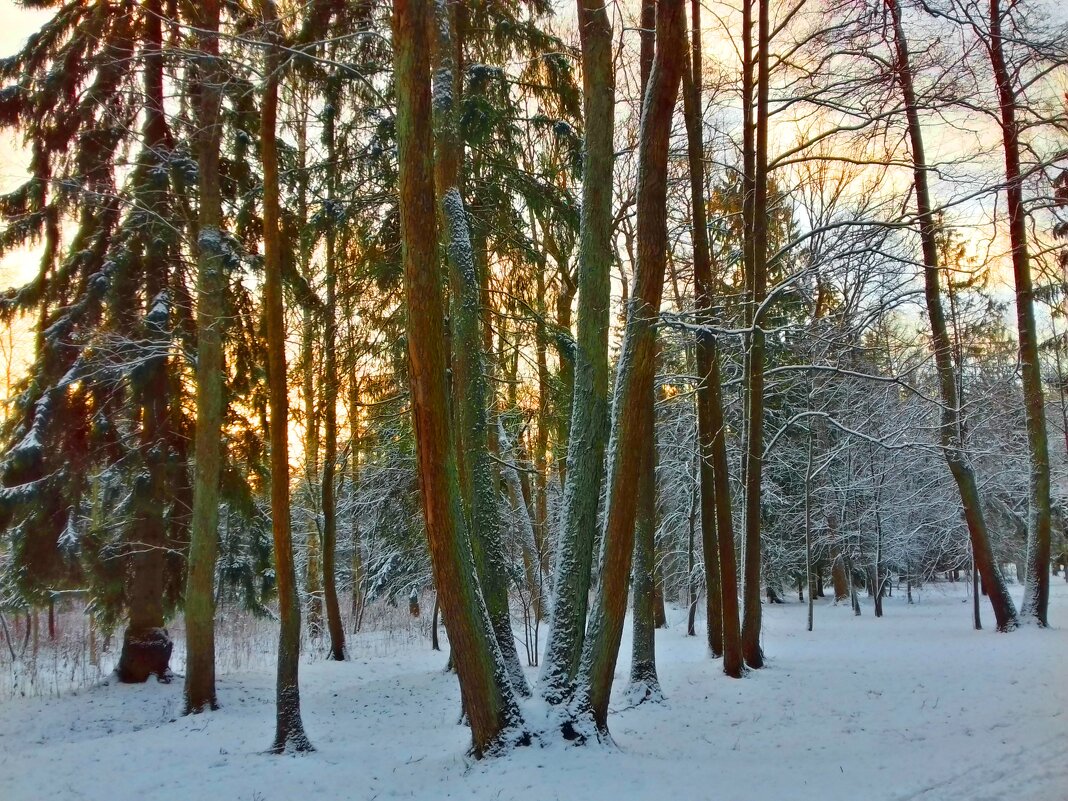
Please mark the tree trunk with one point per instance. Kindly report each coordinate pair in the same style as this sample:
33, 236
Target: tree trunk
631, 418
358, 589
691, 525
146, 646
330, 381
489, 701
644, 683
949, 427
289, 728
718, 531
478, 473
210, 404
589, 410
1039, 523
541, 440
808, 530
308, 334
659, 610
754, 366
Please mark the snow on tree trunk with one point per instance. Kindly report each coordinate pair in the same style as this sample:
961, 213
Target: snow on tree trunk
488, 698
632, 421
478, 473
589, 408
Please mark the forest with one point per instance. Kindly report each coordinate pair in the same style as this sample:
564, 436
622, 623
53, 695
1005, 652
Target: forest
448, 350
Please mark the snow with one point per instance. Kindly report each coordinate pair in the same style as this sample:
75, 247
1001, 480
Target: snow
915, 705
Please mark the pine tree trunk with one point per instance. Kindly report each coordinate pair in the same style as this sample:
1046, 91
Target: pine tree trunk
632, 421
659, 610
1039, 523
703, 302
210, 403
953, 446
146, 646
289, 728
488, 698
565, 377
589, 410
541, 440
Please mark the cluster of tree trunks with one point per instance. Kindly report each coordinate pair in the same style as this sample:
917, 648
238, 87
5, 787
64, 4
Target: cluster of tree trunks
458, 439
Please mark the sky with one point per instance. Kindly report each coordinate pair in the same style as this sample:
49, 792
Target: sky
16, 26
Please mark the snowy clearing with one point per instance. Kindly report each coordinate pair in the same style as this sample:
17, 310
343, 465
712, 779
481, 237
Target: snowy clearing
913, 706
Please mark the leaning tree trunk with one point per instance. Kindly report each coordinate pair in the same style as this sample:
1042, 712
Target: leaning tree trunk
289, 728
950, 430
632, 422
489, 701
1039, 522
478, 474
589, 410
211, 311
717, 533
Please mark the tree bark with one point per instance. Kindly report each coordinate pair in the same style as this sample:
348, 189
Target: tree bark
489, 701
808, 532
589, 410
754, 367
1039, 522
289, 728
330, 381
146, 646
210, 402
479, 478
721, 571
644, 682
631, 418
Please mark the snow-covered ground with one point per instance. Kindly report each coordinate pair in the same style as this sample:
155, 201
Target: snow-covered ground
916, 705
